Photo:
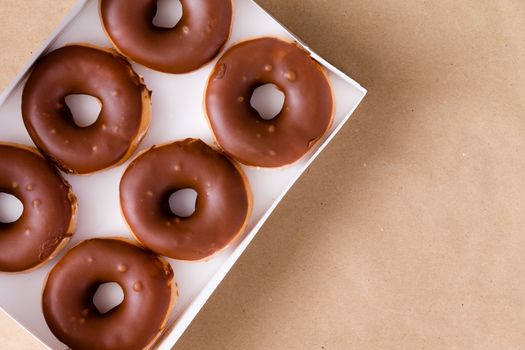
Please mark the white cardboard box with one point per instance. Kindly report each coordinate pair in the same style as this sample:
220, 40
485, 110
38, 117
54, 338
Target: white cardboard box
177, 113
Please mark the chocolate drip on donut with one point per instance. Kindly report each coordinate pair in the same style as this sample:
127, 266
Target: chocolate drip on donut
49, 215
121, 124
196, 39
149, 294
223, 203
239, 129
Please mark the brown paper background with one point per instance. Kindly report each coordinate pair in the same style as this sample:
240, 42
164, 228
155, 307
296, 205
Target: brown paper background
408, 231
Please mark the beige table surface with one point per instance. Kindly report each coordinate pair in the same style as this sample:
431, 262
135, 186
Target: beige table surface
409, 231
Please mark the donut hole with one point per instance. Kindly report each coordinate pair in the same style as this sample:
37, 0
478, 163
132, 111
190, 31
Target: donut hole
11, 208
183, 202
108, 296
268, 101
169, 13
85, 109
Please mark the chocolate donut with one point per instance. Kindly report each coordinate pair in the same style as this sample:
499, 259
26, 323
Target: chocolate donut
48, 220
239, 129
149, 294
121, 124
222, 209
196, 39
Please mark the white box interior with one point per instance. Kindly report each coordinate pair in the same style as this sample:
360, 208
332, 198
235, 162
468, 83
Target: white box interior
177, 113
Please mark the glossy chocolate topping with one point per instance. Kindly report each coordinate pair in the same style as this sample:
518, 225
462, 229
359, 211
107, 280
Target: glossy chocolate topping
48, 219
67, 299
122, 122
196, 39
223, 202
238, 128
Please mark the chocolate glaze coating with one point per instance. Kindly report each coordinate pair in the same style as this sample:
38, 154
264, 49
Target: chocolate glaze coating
122, 122
238, 128
223, 203
67, 300
48, 219
196, 39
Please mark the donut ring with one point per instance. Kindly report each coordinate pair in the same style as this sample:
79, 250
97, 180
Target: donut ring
238, 128
48, 220
196, 39
149, 289
121, 124
222, 209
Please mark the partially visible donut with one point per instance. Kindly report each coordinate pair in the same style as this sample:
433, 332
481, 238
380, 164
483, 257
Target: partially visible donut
121, 125
239, 129
223, 203
196, 39
49, 216
149, 290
